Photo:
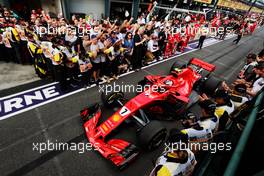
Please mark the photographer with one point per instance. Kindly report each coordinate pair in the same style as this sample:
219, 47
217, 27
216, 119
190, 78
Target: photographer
202, 129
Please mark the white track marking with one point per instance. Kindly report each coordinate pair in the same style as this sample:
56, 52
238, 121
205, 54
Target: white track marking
29, 90
48, 138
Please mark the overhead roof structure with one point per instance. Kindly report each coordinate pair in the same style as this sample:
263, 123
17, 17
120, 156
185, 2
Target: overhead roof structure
259, 3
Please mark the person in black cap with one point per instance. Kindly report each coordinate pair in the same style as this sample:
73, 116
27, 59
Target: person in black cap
224, 107
202, 129
223, 100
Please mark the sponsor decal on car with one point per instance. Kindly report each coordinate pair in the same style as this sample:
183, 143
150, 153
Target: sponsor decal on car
124, 111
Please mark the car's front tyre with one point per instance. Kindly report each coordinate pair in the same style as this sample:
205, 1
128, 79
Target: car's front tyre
110, 99
152, 135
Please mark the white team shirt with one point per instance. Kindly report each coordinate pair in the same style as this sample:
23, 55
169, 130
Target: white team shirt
152, 46
209, 127
228, 109
54, 52
141, 21
47, 49
258, 85
101, 46
176, 168
6, 39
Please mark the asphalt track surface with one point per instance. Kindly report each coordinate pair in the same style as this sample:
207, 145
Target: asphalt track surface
59, 121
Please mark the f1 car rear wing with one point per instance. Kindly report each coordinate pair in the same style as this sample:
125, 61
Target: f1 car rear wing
202, 64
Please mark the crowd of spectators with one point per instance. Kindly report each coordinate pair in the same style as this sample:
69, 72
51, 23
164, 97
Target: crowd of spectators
99, 50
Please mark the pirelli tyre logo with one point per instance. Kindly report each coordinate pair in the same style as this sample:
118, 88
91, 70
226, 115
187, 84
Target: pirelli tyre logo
18, 103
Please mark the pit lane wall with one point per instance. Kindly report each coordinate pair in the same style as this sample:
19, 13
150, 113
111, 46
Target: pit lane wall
236, 157
228, 163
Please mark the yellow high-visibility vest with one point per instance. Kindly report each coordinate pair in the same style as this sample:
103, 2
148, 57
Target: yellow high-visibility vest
74, 59
164, 171
33, 47
219, 112
15, 33
57, 57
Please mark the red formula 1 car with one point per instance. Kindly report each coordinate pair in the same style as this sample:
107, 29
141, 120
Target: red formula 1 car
162, 95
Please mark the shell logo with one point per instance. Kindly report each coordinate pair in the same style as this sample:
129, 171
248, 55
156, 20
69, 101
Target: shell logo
116, 118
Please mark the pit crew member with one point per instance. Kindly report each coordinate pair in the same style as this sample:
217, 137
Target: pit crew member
176, 161
202, 129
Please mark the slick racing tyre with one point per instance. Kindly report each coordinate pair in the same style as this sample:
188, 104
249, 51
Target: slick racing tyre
110, 99
152, 135
210, 85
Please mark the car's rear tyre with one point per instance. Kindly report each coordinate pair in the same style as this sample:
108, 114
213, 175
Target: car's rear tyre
177, 65
110, 99
211, 84
152, 135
